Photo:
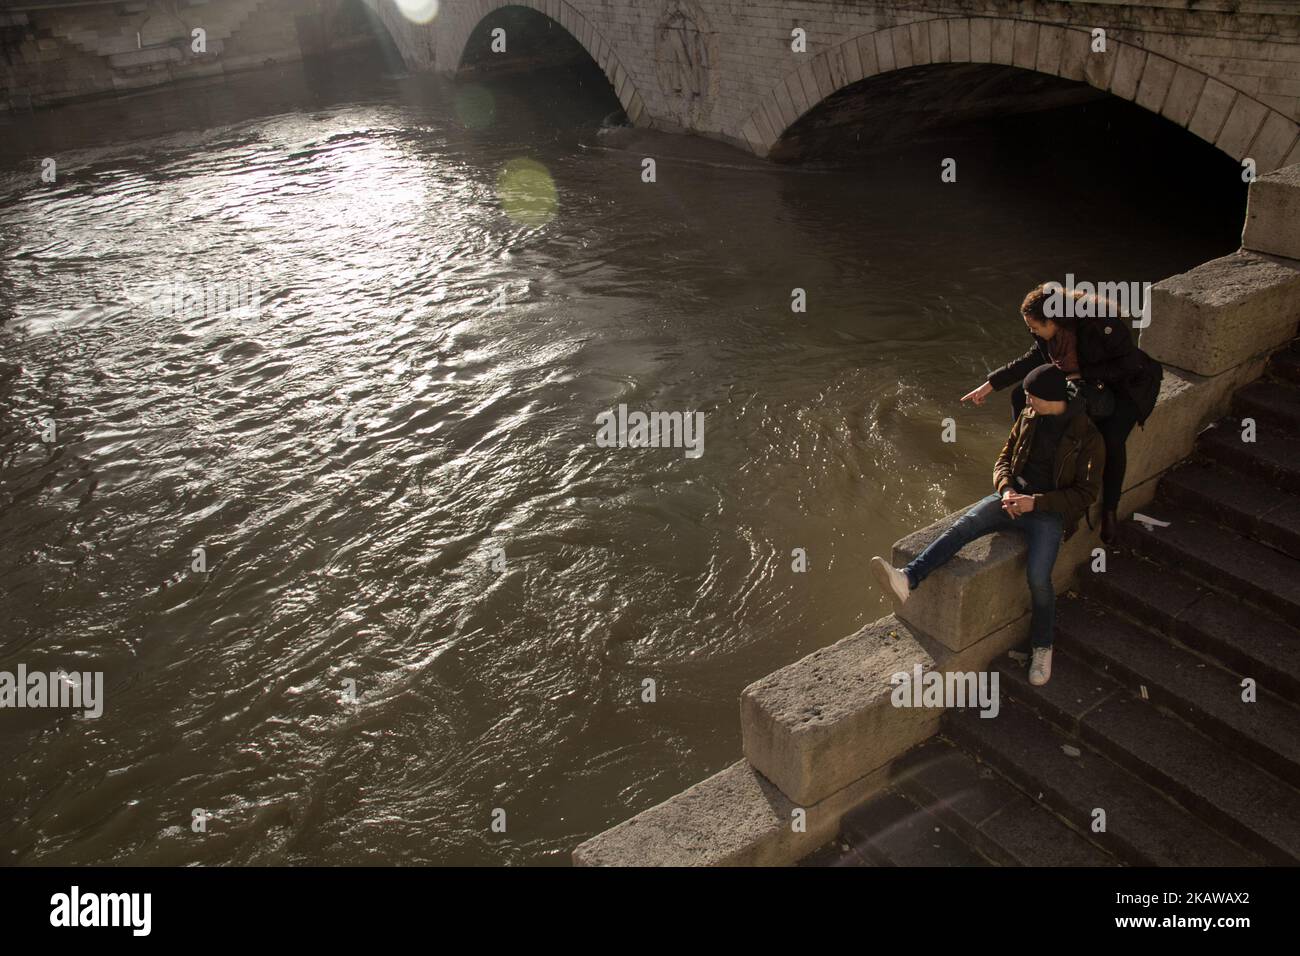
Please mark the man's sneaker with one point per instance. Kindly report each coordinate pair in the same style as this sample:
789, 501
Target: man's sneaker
1040, 670
891, 580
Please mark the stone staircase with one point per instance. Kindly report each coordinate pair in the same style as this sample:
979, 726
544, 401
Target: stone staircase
1143, 718
109, 34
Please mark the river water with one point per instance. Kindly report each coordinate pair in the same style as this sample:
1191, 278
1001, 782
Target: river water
425, 591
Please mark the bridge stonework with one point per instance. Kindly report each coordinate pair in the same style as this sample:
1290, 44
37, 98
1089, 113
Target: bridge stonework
1227, 71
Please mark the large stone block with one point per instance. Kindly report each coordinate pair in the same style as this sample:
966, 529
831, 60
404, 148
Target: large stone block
822, 722
940, 42
1211, 109
1024, 45
1226, 310
1273, 214
981, 590
1243, 123
1002, 44
1184, 93
1187, 403
1274, 141
734, 818
1051, 40
1130, 64
981, 40
959, 40
1157, 78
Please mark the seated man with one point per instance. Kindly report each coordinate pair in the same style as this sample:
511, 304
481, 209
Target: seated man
1047, 477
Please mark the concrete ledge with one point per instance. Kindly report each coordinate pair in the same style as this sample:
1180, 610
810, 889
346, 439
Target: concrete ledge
984, 650
1223, 312
817, 725
1273, 214
734, 818
981, 590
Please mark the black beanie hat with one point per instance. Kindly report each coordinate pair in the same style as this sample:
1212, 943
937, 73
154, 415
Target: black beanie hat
1046, 382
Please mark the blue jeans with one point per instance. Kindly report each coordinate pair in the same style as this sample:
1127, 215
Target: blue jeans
1043, 529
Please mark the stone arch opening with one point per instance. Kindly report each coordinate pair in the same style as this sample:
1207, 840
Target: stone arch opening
1081, 159
533, 39
530, 39
355, 20
1010, 54
902, 106
341, 25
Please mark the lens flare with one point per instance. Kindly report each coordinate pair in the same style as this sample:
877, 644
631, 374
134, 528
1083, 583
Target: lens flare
418, 11
527, 192
475, 106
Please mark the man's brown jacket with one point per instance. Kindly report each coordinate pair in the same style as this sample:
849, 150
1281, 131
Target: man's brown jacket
1080, 457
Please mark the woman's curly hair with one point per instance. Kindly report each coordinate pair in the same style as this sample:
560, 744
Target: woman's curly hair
1087, 304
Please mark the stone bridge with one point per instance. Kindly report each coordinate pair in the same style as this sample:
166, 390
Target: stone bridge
759, 74
1227, 71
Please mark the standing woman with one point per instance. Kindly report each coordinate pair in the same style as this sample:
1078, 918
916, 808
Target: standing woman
1094, 347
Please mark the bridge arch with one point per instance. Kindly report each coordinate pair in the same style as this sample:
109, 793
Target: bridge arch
441, 43
1227, 118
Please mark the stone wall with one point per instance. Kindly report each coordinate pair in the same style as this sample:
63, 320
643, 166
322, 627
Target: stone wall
51, 55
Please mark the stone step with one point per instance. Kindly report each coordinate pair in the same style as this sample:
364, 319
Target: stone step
1230, 794
1285, 365
1142, 826
1273, 456
1274, 403
943, 808
987, 812
835, 853
1241, 638
1222, 559
1195, 688
220, 21
1246, 505
892, 830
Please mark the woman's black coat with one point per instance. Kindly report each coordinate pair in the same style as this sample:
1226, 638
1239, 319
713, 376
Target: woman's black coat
1106, 354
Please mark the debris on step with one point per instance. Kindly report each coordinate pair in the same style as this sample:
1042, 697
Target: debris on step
1148, 522
1071, 751
1142, 689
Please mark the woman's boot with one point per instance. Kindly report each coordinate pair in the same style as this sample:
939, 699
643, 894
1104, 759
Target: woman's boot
1109, 526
